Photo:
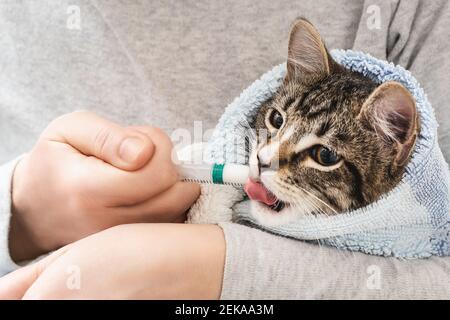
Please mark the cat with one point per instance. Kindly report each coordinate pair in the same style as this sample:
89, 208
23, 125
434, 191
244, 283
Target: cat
330, 140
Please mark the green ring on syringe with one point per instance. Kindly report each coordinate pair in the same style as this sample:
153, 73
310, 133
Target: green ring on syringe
217, 173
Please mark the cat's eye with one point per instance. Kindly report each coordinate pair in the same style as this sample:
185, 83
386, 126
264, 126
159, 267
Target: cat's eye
324, 156
275, 119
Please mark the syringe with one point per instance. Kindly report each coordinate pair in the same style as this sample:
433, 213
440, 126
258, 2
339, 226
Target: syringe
230, 174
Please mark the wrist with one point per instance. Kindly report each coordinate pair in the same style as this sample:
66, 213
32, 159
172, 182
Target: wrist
22, 244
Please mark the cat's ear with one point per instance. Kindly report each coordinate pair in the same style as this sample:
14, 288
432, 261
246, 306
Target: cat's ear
308, 58
391, 111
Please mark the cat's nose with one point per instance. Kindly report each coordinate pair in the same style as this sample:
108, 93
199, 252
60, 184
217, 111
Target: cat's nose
262, 163
255, 169
267, 158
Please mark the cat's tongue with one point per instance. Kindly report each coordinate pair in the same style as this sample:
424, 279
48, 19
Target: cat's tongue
256, 191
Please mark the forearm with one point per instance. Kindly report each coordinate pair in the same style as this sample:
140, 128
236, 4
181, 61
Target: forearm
150, 261
187, 263
280, 268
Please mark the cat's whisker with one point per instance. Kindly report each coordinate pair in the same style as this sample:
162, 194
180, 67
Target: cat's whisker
286, 186
334, 242
308, 210
309, 215
320, 200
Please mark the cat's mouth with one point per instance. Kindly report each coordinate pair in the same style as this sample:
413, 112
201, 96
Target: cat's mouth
258, 192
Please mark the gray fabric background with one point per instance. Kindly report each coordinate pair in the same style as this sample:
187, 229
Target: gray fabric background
170, 63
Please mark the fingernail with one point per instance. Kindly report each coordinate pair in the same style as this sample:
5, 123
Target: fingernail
131, 148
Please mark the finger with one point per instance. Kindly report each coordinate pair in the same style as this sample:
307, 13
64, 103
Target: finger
14, 285
124, 148
119, 187
170, 206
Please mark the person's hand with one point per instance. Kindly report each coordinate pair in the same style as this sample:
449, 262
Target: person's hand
134, 261
86, 174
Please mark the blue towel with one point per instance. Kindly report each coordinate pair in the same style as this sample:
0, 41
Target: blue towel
412, 221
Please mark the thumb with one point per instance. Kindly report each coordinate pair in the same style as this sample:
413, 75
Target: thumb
124, 148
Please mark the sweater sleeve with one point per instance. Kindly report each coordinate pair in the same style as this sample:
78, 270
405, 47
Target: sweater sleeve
260, 265
6, 173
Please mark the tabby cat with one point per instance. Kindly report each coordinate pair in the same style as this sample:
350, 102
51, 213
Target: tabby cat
330, 140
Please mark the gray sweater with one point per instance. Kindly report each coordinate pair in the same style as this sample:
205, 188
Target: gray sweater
170, 63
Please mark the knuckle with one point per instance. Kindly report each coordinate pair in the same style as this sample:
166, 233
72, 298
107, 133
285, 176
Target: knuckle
69, 116
100, 141
59, 123
54, 125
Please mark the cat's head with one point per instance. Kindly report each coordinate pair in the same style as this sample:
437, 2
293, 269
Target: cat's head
330, 140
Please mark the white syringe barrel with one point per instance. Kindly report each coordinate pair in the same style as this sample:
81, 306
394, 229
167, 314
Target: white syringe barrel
234, 174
